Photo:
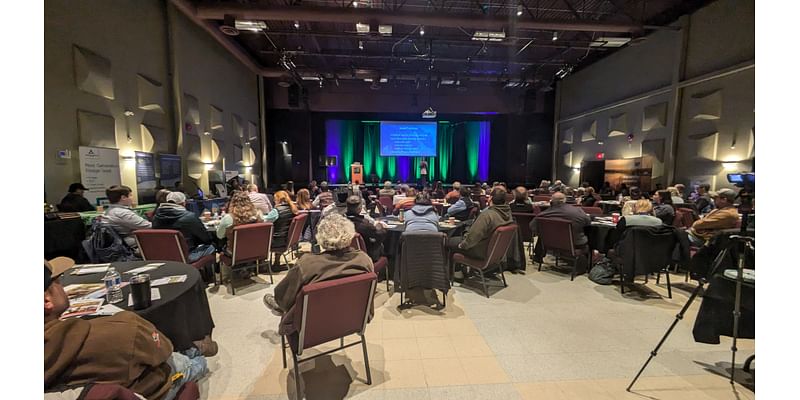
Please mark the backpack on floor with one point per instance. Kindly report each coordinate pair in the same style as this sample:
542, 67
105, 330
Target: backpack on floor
603, 272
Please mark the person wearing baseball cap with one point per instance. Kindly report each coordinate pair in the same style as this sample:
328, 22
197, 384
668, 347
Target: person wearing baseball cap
724, 216
173, 215
124, 348
74, 200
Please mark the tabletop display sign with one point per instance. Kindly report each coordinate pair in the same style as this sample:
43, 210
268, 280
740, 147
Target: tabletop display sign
170, 167
99, 167
145, 177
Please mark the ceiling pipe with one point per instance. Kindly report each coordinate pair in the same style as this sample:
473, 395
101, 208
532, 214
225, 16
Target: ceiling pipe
412, 57
217, 11
238, 52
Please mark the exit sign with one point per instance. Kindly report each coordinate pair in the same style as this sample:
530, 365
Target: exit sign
600, 156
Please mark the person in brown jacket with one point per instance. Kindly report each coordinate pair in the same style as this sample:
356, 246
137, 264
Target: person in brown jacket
725, 216
338, 260
122, 349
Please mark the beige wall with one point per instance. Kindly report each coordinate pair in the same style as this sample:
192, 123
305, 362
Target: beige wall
715, 104
133, 36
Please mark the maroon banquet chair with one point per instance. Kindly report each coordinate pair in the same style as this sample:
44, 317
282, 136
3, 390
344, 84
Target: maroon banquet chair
592, 210
326, 311
496, 251
556, 235
358, 243
189, 391
523, 221
170, 245
292, 237
386, 202
541, 197
251, 244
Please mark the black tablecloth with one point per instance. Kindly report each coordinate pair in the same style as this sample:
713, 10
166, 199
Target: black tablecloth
182, 313
715, 316
391, 245
601, 237
63, 237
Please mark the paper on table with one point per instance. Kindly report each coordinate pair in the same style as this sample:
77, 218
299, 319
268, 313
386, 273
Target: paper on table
108, 309
155, 294
91, 269
82, 307
144, 268
168, 279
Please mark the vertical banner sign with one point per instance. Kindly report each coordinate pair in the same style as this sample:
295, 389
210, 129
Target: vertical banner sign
145, 177
99, 170
170, 166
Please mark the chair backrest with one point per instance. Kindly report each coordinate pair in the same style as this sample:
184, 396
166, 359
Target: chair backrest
542, 197
523, 220
473, 212
332, 309
162, 245
556, 234
656, 250
509, 198
483, 202
498, 244
422, 261
189, 391
251, 242
386, 202
296, 229
358, 243
592, 210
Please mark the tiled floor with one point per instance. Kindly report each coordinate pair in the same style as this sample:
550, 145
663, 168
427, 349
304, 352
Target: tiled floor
542, 337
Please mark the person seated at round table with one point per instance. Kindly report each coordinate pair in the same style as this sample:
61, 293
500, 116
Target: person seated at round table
422, 217
522, 202
407, 201
461, 209
74, 200
437, 192
173, 215
304, 200
677, 198
387, 189
401, 194
590, 198
123, 348
453, 195
373, 232
286, 210
161, 197
642, 215
628, 202
664, 209
338, 260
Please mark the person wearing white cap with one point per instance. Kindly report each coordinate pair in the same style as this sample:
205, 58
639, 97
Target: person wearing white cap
173, 215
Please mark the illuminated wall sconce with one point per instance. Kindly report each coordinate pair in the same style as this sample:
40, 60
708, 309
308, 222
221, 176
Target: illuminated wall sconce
128, 158
576, 168
730, 166
209, 166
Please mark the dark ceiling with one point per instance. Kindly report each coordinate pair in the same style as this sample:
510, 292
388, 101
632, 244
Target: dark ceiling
311, 40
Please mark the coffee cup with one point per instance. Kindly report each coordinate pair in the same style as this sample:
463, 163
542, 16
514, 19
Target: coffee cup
140, 291
615, 217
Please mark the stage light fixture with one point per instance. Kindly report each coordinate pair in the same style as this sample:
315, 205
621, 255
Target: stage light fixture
360, 45
422, 31
362, 28
251, 26
519, 10
555, 36
296, 24
355, 4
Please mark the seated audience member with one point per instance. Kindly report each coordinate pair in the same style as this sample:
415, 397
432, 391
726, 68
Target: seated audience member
461, 209
630, 201
560, 209
557, 186
401, 195
703, 200
522, 202
681, 188
579, 193
677, 198
623, 190
437, 191
590, 198
260, 200
476, 190
606, 189
452, 196
725, 216
422, 217
313, 189
241, 211
123, 348
121, 217
324, 198
161, 197
373, 232
74, 200
407, 201
642, 216
387, 189
173, 215
286, 210
664, 209
338, 260
475, 241
304, 200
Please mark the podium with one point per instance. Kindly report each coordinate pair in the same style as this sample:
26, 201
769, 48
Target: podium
357, 173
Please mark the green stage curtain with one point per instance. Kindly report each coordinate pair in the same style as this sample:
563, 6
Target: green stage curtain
392, 163
348, 145
370, 145
444, 146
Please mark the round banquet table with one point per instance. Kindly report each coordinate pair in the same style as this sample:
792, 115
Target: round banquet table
391, 244
182, 313
602, 237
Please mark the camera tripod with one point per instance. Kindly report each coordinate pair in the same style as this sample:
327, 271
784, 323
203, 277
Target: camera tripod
745, 242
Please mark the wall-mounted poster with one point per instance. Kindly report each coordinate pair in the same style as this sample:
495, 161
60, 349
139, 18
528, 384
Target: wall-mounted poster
99, 170
170, 167
145, 177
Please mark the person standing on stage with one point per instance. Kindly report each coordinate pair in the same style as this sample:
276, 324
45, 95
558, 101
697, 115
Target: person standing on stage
423, 173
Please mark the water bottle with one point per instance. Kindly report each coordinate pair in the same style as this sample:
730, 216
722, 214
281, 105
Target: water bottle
113, 281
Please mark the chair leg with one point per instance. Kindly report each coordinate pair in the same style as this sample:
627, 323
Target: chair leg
658, 277
574, 269
621, 283
483, 282
269, 269
556, 261
366, 359
503, 277
283, 350
297, 377
669, 287
258, 267
386, 270
444, 299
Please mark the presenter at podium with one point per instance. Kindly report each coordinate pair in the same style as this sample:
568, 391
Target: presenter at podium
423, 173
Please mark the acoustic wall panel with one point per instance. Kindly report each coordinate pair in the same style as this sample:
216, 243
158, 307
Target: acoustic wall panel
590, 133
216, 145
252, 131
654, 117
154, 139
706, 105
216, 115
238, 127
567, 135
237, 155
706, 145
191, 111
618, 125
151, 94
93, 73
251, 155
96, 129
192, 147
568, 159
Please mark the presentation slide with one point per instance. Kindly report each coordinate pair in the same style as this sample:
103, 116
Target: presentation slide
408, 138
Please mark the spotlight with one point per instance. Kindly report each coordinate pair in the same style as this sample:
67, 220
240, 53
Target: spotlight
555, 36
519, 10
422, 31
355, 4
360, 45
296, 24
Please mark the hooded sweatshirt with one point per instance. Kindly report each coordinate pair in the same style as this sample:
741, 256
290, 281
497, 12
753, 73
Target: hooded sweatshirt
173, 216
476, 240
421, 218
123, 349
